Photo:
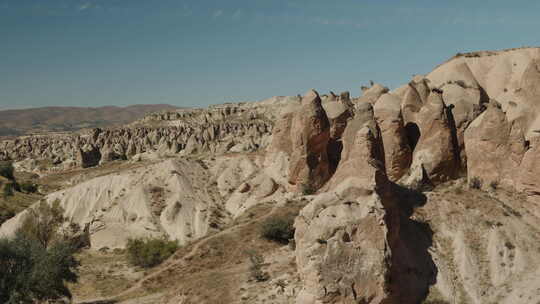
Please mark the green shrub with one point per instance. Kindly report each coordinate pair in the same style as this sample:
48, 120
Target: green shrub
308, 190
149, 252
278, 228
6, 170
32, 273
28, 187
475, 183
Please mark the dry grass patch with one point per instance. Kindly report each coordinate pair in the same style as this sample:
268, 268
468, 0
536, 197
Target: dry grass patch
103, 274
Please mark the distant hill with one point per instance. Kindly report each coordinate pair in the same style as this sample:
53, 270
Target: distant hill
60, 119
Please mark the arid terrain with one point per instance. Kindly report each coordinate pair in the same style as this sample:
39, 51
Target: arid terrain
427, 193
67, 119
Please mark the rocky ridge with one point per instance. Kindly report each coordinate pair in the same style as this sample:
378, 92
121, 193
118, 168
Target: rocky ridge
218, 129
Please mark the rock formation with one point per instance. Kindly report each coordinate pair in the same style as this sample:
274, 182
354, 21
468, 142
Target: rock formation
366, 234
310, 132
398, 154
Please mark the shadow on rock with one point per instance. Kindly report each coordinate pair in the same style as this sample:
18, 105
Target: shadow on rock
412, 269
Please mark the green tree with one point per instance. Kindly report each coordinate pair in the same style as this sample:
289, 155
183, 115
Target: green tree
42, 222
34, 273
6, 170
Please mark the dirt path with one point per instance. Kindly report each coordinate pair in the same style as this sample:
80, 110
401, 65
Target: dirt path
170, 263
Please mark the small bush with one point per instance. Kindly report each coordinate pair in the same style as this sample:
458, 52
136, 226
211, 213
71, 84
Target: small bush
475, 183
308, 190
494, 185
278, 228
28, 187
509, 245
6, 170
8, 189
149, 252
255, 268
156, 189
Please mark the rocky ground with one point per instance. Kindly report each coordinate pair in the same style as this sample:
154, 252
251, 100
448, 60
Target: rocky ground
425, 194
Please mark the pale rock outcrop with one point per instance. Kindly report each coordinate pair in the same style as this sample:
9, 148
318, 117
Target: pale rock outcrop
241, 127
397, 152
339, 111
463, 96
464, 105
437, 148
371, 94
494, 147
528, 174
165, 199
310, 132
341, 236
108, 154
346, 238
88, 156
349, 166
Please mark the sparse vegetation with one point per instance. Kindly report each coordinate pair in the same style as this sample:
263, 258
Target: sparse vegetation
509, 245
32, 273
278, 228
494, 185
28, 187
475, 183
156, 189
256, 264
36, 264
43, 222
6, 170
8, 189
148, 253
435, 302
308, 189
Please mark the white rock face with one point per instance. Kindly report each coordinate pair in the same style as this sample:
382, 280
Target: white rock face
167, 198
182, 199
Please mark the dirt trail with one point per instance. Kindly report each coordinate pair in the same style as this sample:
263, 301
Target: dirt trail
171, 262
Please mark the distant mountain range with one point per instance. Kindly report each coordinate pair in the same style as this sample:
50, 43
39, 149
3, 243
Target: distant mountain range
60, 119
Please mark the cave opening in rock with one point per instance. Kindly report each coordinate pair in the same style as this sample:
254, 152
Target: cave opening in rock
413, 134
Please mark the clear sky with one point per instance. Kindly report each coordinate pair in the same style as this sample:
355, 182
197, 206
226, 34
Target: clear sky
201, 52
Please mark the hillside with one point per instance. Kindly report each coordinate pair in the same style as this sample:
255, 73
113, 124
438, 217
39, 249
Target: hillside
65, 119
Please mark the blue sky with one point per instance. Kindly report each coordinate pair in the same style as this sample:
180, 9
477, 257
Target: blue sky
196, 53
